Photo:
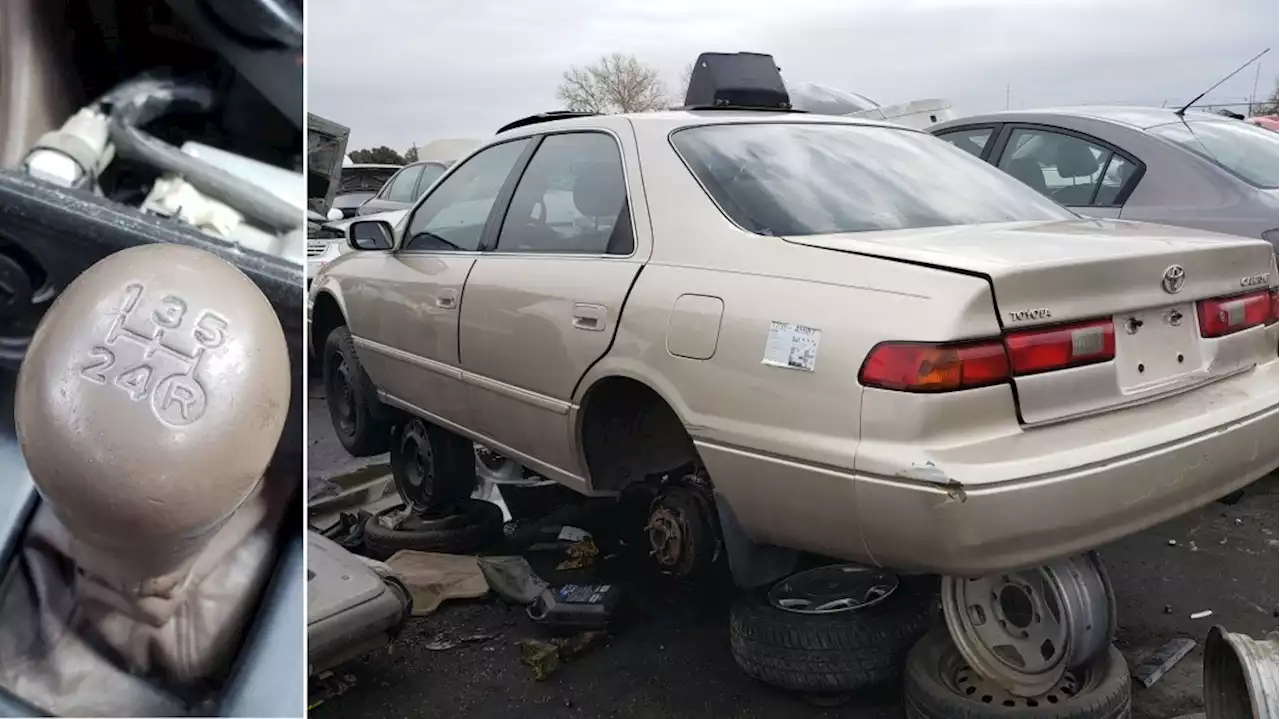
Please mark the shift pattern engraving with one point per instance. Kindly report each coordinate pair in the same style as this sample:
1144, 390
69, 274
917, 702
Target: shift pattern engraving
143, 360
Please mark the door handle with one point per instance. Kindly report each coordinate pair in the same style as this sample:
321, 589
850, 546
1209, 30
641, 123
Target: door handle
589, 317
447, 299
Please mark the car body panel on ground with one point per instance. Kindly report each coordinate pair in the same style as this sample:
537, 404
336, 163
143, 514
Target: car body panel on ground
351, 609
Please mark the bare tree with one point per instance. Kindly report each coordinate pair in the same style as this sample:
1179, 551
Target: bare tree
685, 75
1271, 105
615, 83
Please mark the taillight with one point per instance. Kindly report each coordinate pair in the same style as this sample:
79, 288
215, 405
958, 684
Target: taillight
919, 367
1042, 350
1225, 315
1275, 307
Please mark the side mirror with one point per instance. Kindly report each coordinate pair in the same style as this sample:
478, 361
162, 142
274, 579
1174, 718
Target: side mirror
334, 214
370, 235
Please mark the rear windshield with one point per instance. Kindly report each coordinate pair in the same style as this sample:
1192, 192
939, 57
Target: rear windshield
809, 179
365, 179
1248, 152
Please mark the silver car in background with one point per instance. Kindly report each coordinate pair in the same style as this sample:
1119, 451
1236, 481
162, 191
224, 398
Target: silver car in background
1195, 170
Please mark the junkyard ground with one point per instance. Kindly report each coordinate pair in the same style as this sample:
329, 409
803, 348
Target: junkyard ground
672, 659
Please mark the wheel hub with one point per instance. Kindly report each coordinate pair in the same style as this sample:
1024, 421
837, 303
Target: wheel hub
666, 537
1022, 631
415, 478
833, 588
342, 398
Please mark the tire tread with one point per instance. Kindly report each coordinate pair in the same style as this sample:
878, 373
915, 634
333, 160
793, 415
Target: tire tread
926, 697
372, 435
838, 653
483, 530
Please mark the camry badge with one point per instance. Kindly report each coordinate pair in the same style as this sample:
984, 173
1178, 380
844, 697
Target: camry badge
1173, 279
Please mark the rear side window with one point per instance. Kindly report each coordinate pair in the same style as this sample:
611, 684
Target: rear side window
1250, 153
1115, 179
972, 140
808, 179
571, 198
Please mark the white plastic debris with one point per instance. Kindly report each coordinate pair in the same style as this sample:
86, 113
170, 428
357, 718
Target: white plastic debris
572, 534
1202, 615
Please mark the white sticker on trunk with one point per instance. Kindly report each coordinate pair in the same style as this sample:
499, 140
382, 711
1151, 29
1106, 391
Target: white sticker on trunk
792, 346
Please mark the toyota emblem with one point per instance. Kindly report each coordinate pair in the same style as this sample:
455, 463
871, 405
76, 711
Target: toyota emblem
1174, 277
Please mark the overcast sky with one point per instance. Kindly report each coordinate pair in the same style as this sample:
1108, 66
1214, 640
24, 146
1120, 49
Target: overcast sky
400, 72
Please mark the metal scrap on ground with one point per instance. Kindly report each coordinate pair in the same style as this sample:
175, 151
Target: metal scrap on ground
1159, 662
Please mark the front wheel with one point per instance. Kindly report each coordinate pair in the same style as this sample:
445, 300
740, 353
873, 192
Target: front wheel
350, 396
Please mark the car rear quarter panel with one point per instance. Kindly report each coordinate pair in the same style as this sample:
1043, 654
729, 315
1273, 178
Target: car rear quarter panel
734, 406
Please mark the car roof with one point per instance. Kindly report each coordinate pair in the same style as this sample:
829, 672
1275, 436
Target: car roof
371, 166
1141, 118
677, 118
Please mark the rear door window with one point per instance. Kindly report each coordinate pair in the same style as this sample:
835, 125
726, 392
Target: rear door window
1072, 170
572, 198
401, 189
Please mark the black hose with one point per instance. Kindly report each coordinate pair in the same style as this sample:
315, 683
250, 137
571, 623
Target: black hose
140, 101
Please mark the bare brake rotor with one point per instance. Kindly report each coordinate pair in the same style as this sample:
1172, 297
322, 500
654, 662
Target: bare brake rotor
1023, 630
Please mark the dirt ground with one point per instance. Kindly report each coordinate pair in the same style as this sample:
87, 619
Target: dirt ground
671, 658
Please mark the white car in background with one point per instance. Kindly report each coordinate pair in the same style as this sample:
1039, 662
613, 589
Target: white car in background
824, 100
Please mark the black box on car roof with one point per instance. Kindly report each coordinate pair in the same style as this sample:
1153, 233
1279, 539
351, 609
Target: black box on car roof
743, 80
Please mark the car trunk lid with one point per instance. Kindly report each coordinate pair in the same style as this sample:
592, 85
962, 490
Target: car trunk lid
1146, 279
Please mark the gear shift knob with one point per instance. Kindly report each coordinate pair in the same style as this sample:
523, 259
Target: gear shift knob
149, 405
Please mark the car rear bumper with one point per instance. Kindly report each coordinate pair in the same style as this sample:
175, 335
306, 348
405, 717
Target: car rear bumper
966, 510
1026, 522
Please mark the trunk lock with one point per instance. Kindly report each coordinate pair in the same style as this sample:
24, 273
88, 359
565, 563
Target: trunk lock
1174, 317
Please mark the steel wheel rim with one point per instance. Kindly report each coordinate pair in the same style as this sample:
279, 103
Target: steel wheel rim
417, 466
1089, 596
340, 395
964, 682
1023, 630
833, 589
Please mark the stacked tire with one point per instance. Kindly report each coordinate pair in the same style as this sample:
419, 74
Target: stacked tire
937, 686
471, 525
831, 655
